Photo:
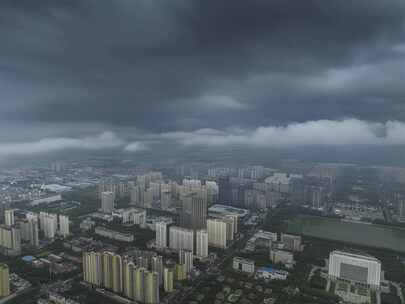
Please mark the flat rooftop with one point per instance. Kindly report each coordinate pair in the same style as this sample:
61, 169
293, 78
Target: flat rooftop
228, 210
355, 255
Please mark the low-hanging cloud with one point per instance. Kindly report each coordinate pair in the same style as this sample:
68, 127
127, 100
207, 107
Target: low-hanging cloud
136, 146
327, 133
105, 140
311, 133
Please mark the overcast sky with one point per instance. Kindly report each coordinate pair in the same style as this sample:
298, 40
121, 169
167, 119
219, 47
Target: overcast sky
132, 74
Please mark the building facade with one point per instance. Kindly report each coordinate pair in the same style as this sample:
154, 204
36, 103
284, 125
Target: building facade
355, 268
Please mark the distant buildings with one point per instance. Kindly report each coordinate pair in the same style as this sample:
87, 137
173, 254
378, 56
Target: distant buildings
401, 210
282, 182
357, 268
134, 216
244, 265
225, 191
181, 238
4, 281
107, 202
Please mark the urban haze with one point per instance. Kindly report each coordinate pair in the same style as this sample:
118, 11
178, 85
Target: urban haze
200, 151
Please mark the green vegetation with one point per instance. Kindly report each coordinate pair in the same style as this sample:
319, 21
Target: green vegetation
318, 282
391, 238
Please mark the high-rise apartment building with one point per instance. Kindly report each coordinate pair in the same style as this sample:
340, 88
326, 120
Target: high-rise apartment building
117, 273
194, 211
139, 290
186, 258
29, 231
151, 287
168, 279
107, 202
401, 211
157, 266
49, 224
202, 243
122, 276
93, 268
217, 233
180, 272
64, 225
181, 238
10, 240
4, 281
161, 235
225, 191
128, 274
9, 217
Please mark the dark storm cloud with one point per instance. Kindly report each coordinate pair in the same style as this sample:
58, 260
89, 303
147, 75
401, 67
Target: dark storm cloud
153, 67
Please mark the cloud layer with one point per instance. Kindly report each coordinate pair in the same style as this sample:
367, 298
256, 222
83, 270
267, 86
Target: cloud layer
329, 133
325, 133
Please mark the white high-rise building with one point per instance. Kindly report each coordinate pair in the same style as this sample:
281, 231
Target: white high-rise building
107, 202
202, 243
161, 235
217, 233
64, 225
356, 268
181, 238
9, 217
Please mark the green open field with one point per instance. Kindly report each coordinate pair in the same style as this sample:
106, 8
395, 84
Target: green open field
378, 236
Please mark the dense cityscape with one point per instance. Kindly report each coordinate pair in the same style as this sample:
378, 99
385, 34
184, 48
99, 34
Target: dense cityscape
82, 232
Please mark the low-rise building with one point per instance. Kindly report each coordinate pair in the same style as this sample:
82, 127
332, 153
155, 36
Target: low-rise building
114, 235
243, 265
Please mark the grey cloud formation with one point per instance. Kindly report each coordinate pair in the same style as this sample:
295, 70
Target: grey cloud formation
172, 67
136, 146
312, 133
327, 133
